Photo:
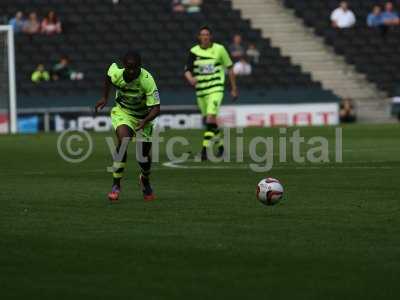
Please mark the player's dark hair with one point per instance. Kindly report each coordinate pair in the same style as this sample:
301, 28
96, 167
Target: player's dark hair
205, 27
133, 55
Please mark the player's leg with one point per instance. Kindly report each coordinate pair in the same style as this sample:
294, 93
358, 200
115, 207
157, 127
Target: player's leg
145, 171
124, 130
213, 104
202, 104
124, 134
213, 110
144, 160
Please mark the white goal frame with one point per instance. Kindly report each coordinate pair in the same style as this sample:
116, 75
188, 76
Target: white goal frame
12, 128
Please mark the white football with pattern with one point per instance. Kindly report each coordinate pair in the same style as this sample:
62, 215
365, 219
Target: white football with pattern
269, 191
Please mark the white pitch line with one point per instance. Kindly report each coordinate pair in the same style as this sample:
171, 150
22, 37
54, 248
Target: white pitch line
178, 165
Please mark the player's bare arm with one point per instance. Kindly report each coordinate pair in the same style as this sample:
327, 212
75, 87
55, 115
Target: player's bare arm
232, 80
189, 70
106, 92
190, 78
153, 113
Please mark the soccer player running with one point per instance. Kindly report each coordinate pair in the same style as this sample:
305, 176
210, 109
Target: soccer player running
137, 104
205, 71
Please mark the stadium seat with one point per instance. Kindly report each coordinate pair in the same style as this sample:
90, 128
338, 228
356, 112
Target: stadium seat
96, 33
358, 44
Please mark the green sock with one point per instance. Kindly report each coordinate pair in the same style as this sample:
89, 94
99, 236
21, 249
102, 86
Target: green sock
119, 168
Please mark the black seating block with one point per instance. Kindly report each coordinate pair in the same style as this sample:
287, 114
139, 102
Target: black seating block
373, 51
97, 33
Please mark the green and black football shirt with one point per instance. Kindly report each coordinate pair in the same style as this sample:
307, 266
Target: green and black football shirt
208, 67
135, 97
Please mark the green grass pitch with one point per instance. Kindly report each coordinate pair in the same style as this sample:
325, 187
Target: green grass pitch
335, 235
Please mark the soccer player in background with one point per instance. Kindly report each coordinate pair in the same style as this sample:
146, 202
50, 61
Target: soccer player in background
205, 71
137, 104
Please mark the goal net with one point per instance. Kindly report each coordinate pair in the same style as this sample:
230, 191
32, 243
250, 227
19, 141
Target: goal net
8, 102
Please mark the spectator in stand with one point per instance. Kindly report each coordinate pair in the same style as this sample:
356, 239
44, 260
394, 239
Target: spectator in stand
40, 74
32, 25
343, 17
17, 22
253, 54
63, 71
192, 6
389, 16
177, 6
236, 48
375, 17
242, 67
51, 24
347, 113
188, 6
